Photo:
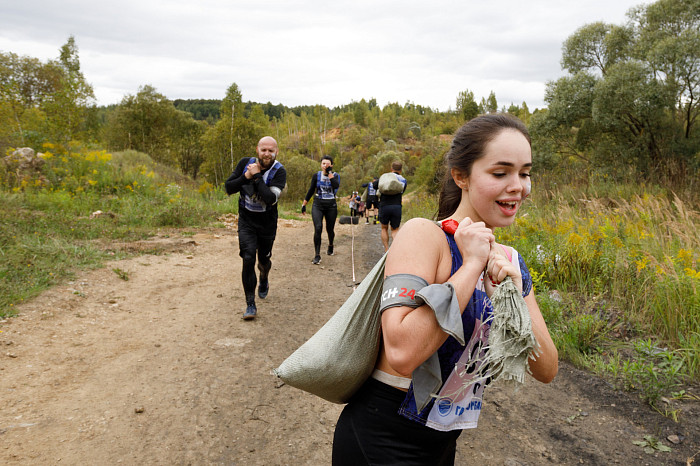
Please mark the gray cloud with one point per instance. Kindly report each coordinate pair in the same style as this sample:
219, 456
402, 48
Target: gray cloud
308, 52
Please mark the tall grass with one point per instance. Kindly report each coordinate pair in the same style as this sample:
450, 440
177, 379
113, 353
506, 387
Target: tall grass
624, 259
419, 204
641, 252
627, 265
47, 230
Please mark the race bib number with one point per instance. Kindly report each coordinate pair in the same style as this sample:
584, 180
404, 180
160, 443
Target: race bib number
458, 404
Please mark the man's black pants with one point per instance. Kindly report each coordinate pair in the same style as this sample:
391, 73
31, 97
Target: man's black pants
255, 237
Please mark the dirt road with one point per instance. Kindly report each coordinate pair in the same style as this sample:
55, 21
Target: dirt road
161, 369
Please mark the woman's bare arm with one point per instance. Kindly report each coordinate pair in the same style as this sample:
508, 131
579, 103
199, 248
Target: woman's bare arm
411, 336
546, 365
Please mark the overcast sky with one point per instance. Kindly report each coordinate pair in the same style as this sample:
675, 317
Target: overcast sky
310, 52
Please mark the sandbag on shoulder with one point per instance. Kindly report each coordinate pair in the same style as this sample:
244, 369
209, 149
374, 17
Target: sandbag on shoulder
337, 359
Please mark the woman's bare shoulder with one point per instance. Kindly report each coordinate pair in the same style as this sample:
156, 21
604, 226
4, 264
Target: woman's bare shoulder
417, 249
421, 223
419, 231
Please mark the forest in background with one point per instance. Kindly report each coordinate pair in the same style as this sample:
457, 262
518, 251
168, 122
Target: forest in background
611, 227
627, 107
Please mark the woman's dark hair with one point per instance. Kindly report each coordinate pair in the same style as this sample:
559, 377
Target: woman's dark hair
327, 157
468, 146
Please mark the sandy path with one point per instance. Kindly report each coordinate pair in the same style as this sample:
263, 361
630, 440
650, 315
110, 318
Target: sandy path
161, 369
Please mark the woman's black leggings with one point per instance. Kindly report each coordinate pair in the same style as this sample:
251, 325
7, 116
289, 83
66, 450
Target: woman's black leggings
370, 431
328, 209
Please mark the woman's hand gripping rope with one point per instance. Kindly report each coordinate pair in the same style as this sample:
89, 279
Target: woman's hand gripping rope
498, 268
511, 339
474, 240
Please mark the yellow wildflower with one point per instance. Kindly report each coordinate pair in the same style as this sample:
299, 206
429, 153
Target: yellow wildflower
574, 239
642, 263
685, 257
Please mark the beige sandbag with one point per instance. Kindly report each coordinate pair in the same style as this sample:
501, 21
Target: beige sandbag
389, 184
337, 359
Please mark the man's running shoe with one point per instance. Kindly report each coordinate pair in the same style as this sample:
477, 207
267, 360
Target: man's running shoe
330, 250
250, 312
263, 288
317, 260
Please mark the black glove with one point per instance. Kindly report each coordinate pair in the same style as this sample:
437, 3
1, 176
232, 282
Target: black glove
303, 209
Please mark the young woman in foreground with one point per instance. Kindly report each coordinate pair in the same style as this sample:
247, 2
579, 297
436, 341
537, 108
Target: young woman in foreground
395, 418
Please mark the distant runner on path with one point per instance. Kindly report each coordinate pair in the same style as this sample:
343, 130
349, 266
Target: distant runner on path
390, 204
323, 188
372, 202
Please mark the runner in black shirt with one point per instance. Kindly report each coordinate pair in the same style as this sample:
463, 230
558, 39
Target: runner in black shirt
260, 183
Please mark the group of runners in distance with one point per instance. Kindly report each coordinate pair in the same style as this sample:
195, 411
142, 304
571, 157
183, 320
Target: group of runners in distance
453, 267
260, 182
324, 189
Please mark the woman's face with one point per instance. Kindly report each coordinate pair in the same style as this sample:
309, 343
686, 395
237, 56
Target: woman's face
325, 163
499, 180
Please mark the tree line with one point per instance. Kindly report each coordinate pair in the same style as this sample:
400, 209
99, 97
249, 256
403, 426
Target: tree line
631, 97
45, 101
628, 105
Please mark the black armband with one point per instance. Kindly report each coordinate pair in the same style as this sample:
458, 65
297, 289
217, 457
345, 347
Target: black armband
412, 291
400, 290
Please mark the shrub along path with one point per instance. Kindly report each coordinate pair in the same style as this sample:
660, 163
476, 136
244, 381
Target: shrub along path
147, 361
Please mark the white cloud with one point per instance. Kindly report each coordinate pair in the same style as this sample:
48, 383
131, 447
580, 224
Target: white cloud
307, 52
